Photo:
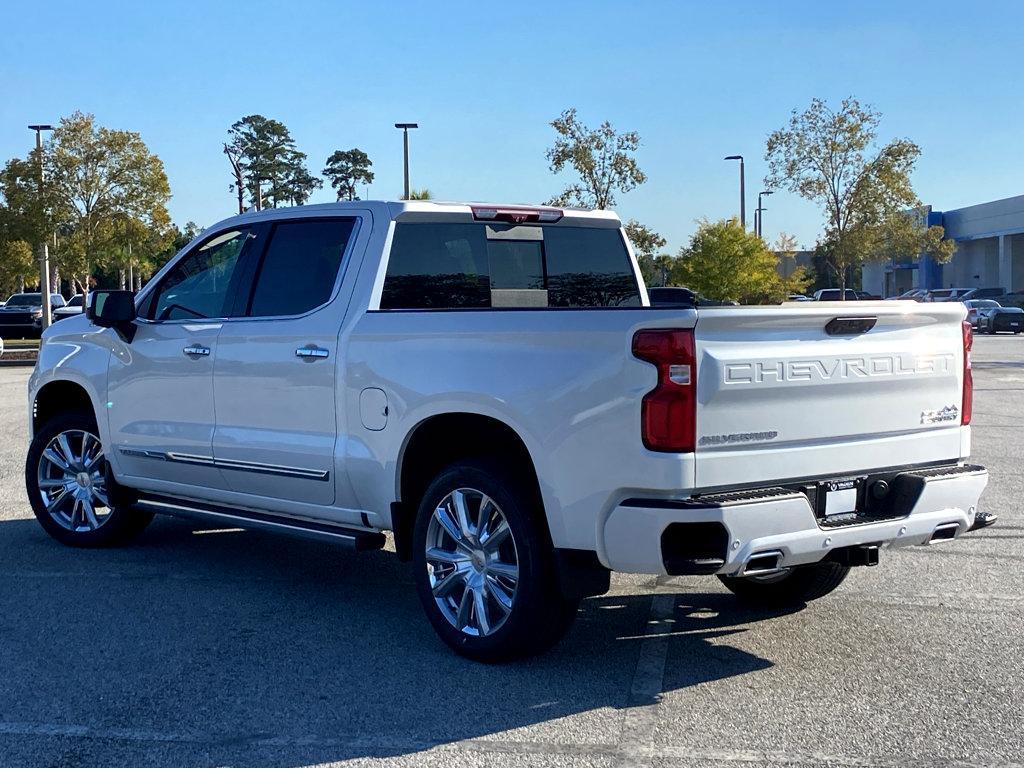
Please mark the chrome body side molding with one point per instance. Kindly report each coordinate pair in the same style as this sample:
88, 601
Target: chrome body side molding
228, 464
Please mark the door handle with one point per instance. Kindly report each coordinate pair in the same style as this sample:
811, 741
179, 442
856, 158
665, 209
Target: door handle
196, 349
311, 352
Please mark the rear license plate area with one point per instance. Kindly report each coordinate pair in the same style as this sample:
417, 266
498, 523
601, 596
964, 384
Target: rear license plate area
838, 500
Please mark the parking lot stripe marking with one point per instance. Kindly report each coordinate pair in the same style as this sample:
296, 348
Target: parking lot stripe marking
641, 716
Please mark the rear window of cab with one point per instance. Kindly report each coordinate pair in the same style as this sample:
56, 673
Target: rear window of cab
484, 266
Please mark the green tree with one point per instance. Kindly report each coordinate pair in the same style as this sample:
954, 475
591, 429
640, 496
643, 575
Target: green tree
725, 261
96, 177
795, 278
274, 170
907, 235
423, 194
646, 245
177, 239
131, 246
30, 213
299, 183
18, 267
347, 168
831, 158
603, 159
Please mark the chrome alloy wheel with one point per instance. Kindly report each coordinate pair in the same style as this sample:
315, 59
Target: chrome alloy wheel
72, 481
472, 562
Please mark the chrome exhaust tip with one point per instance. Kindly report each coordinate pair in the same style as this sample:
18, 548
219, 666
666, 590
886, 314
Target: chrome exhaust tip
944, 532
763, 563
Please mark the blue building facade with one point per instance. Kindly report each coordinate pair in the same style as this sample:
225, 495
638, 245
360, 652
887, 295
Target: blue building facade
989, 252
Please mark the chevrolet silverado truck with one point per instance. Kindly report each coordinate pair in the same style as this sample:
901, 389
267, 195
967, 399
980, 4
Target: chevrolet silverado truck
490, 384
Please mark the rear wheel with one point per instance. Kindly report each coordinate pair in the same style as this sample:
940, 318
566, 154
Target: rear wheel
69, 484
484, 568
793, 586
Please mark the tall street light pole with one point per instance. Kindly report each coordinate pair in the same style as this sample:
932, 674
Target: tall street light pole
405, 147
743, 194
758, 215
44, 255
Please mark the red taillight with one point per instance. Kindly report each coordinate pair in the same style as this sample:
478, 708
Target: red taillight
967, 407
668, 413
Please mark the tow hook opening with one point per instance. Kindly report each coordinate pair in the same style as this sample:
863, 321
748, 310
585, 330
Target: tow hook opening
944, 532
856, 555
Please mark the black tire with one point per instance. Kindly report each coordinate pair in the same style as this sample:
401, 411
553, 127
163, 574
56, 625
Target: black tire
800, 585
539, 615
121, 523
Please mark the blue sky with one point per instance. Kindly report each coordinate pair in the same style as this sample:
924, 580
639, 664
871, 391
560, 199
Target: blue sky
697, 80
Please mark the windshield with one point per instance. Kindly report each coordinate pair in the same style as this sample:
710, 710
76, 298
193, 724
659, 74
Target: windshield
985, 303
25, 300
75, 301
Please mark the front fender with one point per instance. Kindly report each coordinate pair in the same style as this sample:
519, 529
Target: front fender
80, 353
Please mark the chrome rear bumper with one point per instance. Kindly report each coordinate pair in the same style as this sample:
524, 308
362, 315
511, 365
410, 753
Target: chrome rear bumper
767, 529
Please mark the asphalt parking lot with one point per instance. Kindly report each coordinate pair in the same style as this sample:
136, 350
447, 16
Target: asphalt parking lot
199, 647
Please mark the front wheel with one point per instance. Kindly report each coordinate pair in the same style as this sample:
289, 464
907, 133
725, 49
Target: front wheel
73, 495
789, 587
484, 568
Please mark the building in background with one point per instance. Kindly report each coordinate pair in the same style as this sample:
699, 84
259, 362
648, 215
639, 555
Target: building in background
802, 258
989, 253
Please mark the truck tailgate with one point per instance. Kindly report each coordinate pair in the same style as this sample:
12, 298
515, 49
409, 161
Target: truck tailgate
775, 391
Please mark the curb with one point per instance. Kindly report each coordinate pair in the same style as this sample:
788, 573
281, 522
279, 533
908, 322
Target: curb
14, 363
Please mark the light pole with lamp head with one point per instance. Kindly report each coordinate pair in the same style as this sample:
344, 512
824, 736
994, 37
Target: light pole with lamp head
44, 256
743, 194
405, 147
758, 216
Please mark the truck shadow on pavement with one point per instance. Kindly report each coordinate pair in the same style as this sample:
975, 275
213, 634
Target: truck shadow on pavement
199, 647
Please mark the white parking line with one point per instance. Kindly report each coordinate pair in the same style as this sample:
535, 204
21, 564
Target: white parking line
640, 719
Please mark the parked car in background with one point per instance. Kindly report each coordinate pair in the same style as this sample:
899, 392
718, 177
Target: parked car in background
680, 296
866, 296
975, 306
671, 296
75, 306
914, 294
946, 294
917, 294
798, 298
992, 320
834, 295
1012, 300
22, 314
983, 293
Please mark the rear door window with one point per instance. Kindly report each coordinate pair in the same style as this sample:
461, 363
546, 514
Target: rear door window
299, 267
437, 266
453, 266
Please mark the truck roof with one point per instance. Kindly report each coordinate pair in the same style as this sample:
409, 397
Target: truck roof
411, 210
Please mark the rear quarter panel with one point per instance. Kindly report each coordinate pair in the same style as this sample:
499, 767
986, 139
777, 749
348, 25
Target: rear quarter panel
564, 380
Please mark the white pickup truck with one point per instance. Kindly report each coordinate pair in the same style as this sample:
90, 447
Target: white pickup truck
490, 384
